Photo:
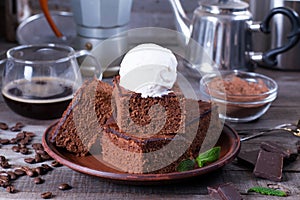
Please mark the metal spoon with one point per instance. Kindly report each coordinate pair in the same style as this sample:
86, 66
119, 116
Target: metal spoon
285, 127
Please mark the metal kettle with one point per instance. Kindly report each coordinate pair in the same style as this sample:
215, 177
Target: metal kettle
222, 28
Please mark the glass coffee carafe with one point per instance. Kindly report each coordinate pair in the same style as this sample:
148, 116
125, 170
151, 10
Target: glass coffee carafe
39, 81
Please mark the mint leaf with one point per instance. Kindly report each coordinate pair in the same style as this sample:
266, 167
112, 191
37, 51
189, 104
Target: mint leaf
208, 156
186, 165
268, 191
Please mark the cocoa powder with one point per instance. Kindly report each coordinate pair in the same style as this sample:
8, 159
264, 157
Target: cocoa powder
237, 92
237, 89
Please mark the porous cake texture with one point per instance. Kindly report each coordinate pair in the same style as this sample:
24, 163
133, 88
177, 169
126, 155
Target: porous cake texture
82, 122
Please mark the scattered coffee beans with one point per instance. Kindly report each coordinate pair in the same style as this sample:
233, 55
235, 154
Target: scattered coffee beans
29, 160
38, 180
64, 186
12, 175
20, 145
20, 172
46, 195
18, 127
4, 141
15, 148
56, 164
47, 167
3, 126
10, 189
4, 162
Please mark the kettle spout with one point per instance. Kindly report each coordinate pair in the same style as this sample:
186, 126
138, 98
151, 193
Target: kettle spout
182, 21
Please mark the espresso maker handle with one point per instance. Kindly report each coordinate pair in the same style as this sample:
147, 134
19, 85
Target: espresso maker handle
269, 57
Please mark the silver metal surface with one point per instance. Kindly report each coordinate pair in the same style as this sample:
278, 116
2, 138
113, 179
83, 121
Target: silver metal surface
101, 18
286, 61
220, 29
223, 31
224, 37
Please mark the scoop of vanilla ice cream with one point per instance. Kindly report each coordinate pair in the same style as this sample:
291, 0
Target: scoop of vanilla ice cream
148, 69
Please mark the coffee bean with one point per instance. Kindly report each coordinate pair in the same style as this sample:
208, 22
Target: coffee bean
56, 164
19, 172
4, 177
29, 134
30, 173
47, 167
4, 163
3, 126
64, 186
15, 148
38, 180
29, 160
20, 124
15, 129
24, 141
22, 145
4, 141
46, 195
10, 189
37, 146
46, 157
38, 158
24, 150
12, 175
40, 151
13, 141
40, 170
20, 135
2, 158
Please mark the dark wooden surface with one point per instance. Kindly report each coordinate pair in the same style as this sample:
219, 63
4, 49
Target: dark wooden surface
285, 109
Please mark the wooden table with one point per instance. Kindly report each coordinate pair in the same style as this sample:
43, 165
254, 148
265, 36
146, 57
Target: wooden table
285, 109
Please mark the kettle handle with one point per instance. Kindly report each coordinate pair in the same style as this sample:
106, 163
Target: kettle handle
269, 57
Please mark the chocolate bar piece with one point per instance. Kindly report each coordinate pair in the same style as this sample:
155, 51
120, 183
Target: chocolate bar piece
225, 191
269, 165
288, 154
248, 158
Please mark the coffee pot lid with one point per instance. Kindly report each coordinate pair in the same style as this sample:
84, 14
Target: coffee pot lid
218, 6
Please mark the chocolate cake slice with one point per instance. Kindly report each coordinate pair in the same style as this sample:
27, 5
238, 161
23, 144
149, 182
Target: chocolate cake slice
152, 115
157, 153
83, 121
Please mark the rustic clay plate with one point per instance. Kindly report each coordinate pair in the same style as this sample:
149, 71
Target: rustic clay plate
229, 142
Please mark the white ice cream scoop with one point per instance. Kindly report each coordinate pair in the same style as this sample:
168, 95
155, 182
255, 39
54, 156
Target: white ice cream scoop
148, 69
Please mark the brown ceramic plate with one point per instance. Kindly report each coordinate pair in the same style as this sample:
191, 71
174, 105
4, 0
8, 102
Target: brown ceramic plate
229, 142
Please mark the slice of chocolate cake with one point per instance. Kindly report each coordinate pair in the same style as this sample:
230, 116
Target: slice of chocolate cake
147, 116
184, 130
83, 120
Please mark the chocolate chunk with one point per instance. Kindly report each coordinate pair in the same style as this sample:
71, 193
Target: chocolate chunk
224, 192
269, 165
248, 158
288, 154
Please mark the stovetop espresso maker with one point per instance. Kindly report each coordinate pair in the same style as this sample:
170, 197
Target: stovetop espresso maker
98, 20
223, 28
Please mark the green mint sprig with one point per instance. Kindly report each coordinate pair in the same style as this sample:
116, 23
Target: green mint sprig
186, 165
202, 159
208, 156
268, 191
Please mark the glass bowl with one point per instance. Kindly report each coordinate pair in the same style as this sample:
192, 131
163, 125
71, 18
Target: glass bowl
241, 96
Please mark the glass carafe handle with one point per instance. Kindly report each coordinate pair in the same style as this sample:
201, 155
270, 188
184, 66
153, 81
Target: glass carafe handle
89, 68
